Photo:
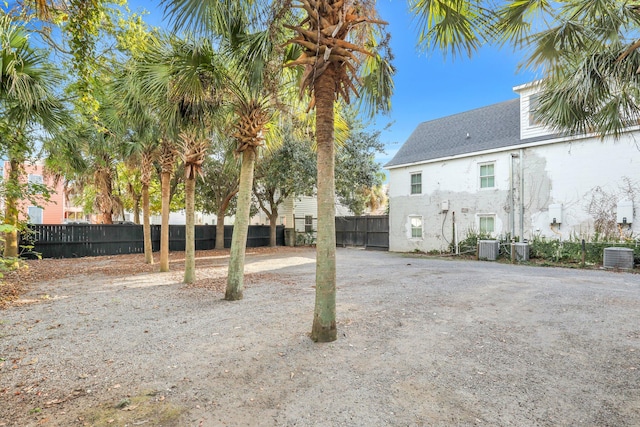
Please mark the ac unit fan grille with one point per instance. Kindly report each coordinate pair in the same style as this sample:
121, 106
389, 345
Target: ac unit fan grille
488, 249
618, 258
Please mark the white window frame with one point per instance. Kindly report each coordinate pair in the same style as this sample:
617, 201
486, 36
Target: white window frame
308, 223
40, 214
36, 178
485, 217
412, 228
480, 176
411, 183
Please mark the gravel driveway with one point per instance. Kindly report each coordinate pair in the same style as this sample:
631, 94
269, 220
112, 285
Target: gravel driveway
422, 342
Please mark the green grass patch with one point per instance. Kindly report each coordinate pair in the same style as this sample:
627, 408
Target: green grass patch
145, 409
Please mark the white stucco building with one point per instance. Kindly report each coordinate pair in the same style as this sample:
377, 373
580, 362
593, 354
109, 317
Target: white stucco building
497, 171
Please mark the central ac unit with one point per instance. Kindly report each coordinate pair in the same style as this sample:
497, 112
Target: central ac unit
488, 249
618, 258
522, 251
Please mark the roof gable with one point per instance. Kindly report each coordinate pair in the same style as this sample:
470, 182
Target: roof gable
494, 126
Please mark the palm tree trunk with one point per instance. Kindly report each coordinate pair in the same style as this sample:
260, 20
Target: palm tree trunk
104, 197
164, 230
240, 227
324, 317
11, 210
136, 209
146, 225
189, 235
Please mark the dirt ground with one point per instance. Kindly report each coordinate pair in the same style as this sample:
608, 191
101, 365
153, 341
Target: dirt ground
422, 342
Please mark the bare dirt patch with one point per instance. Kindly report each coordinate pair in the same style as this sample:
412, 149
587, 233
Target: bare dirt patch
110, 341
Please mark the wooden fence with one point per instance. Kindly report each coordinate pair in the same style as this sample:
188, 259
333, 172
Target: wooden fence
371, 232
80, 240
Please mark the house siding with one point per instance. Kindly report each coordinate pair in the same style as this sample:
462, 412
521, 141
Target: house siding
527, 129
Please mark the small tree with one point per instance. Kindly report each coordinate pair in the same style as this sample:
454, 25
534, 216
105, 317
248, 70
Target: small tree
215, 193
357, 172
287, 171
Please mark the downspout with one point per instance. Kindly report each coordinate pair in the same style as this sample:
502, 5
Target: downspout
512, 214
522, 195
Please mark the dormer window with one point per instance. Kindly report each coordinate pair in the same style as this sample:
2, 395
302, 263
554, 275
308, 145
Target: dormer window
534, 102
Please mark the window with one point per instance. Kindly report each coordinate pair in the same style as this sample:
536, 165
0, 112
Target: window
35, 215
416, 227
308, 223
487, 224
487, 178
416, 183
35, 179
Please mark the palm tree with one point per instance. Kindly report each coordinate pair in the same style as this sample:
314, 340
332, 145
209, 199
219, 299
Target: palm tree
144, 146
168, 154
332, 39
253, 114
182, 78
194, 147
27, 97
253, 81
587, 53
589, 56
338, 44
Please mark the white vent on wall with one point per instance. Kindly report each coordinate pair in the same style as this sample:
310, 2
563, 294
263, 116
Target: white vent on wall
522, 251
555, 214
618, 258
624, 212
488, 249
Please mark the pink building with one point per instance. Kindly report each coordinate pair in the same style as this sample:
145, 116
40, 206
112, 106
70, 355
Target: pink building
57, 210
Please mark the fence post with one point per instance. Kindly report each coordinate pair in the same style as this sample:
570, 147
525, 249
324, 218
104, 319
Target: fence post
584, 252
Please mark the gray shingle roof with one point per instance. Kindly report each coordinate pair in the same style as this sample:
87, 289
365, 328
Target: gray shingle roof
494, 126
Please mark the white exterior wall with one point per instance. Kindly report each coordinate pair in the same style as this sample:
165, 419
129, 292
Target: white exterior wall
455, 181
570, 173
580, 171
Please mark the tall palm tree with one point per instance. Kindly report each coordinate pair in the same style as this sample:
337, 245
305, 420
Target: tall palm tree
28, 85
182, 78
253, 113
337, 45
194, 146
144, 147
252, 83
168, 155
340, 49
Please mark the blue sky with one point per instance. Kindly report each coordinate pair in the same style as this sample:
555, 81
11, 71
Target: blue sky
427, 86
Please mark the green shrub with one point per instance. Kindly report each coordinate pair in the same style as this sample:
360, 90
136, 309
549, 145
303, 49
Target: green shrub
571, 251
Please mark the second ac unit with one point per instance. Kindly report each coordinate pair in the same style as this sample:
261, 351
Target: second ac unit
522, 251
618, 258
